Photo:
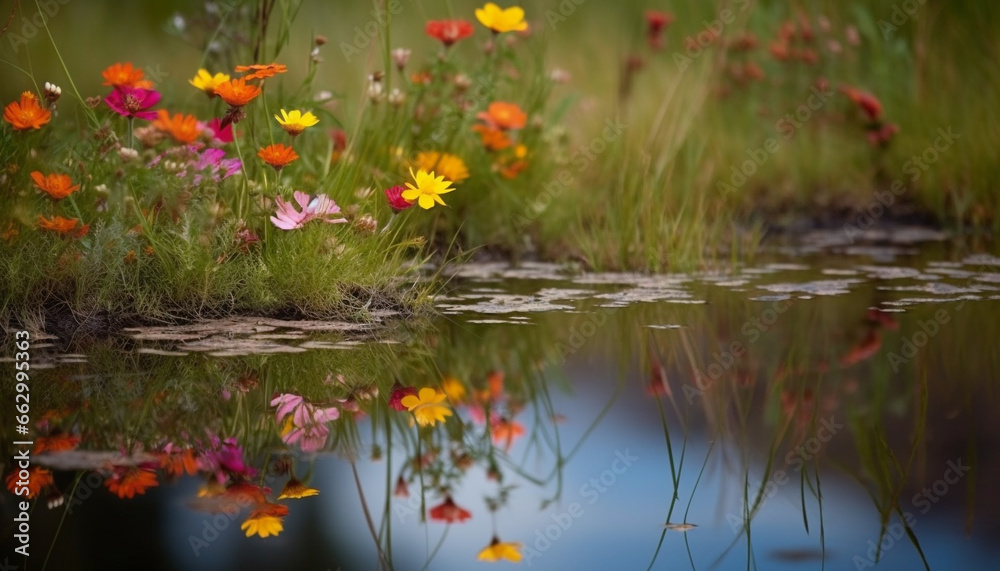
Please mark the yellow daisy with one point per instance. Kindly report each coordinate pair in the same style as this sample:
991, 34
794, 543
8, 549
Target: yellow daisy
426, 406
445, 164
207, 82
427, 189
296, 121
502, 20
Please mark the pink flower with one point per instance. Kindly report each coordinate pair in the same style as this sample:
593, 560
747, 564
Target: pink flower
133, 101
222, 135
395, 197
303, 423
321, 208
398, 392
225, 458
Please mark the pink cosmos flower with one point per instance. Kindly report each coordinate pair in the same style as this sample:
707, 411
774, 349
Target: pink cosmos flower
220, 134
395, 197
225, 458
133, 101
305, 424
320, 208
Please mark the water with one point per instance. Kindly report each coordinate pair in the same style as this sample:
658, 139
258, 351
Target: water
837, 397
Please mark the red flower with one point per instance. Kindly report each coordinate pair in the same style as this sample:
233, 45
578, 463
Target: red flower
449, 31
399, 391
868, 103
398, 204
449, 512
656, 23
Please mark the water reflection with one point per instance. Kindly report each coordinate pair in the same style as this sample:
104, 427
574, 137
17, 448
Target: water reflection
792, 415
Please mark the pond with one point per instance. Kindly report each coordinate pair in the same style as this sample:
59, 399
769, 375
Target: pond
829, 406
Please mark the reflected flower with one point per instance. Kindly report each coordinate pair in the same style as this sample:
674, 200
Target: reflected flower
401, 490
295, 489
505, 431
38, 479
454, 389
265, 521
129, 481
426, 406
304, 423
449, 512
398, 392
56, 442
225, 458
246, 493
497, 550
177, 462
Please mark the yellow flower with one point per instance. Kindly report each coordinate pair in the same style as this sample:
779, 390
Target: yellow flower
296, 121
262, 525
427, 190
207, 82
294, 489
500, 20
447, 165
426, 406
453, 388
496, 551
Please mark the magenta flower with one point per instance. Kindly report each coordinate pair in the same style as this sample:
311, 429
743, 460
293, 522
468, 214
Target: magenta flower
133, 101
305, 424
395, 197
320, 208
220, 134
225, 458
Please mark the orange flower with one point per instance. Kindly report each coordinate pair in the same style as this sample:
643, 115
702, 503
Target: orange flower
10, 232
278, 156
236, 92
123, 74
183, 128
493, 139
503, 115
179, 463
505, 431
56, 185
246, 492
450, 512
38, 478
128, 481
261, 71
26, 113
63, 226
58, 442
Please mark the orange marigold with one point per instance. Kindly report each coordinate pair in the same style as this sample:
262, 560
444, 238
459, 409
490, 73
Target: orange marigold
278, 156
63, 226
261, 71
236, 92
26, 113
123, 74
56, 185
38, 478
183, 128
127, 482
503, 115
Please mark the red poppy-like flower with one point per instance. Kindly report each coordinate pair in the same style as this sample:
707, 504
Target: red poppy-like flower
396, 201
448, 511
449, 31
26, 113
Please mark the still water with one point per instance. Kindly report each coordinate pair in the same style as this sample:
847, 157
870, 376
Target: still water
830, 406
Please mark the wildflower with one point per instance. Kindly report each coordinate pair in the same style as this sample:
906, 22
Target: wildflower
401, 490
449, 31
10, 232
339, 143
63, 226
176, 463
497, 550
129, 481
401, 56
322, 208
183, 128
426, 406
366, 224
236, 92
225, 458
220, 133
261, 71
398, 393
296, 121
57, 186
124, 75
207, 82
245, 492
52, 92
503, 115
128, 154
295, 489
305, 424
133, 102
505, 431
56, 442
502, 20
447, 165
449, 511
882, 135
492, 138
38, 478
454, 389
396, 97
868, 103
278, 156
26, 113
265, 521
427, 190
656, 23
